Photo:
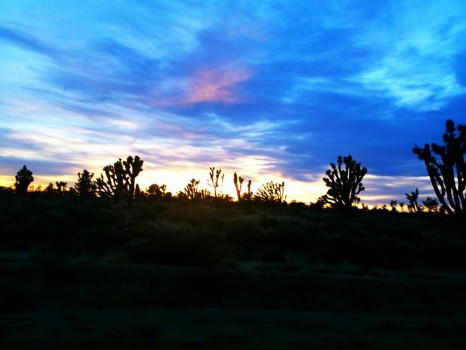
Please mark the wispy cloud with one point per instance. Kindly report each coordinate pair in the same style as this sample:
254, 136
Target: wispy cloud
216, 85
416, 46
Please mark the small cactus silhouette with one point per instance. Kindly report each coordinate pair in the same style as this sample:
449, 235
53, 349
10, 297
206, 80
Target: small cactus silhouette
23, 180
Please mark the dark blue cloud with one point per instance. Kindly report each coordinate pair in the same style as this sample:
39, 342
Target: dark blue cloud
460, 69
7, 141
11, 165
25, 40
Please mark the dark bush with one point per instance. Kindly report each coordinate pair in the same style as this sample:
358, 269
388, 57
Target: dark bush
177, 250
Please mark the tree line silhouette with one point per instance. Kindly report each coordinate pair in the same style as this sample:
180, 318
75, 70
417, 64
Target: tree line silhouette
445, 165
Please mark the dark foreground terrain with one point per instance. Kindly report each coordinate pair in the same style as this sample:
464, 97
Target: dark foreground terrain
107, 307
179, 275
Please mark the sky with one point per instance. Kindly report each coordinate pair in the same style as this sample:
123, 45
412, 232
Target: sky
274, 90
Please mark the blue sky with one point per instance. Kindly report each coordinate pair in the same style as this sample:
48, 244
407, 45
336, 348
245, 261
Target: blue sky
274, 90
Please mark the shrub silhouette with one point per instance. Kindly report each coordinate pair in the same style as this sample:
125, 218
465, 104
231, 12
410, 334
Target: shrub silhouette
271, 192
344, 182
446, 168
402, 206
431, 205
191, 191
86, 187
158, 192
50, 190
23, 180
61, 187
120, 179
6, 192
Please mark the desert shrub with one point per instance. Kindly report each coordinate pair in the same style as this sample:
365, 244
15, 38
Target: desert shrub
377, 252
195, 214
177, 250
243, 231
149, 210
6, 193
106, 215
442, 252
271, 193
197, 233
288, 234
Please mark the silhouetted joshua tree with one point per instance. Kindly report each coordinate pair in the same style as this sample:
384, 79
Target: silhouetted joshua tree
132, 169
344, 180
113, 184
248, 195
86, 187
271, 192
120, 179
447, 170
23, 180
215, 177
238, 181
412, 198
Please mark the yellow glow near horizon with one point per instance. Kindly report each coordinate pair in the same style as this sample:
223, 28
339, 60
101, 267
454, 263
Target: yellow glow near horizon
176, 180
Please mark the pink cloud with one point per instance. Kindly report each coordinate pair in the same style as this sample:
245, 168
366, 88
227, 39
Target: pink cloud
215, 85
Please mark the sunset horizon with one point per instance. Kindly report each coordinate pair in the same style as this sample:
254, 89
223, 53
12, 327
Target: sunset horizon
271, 91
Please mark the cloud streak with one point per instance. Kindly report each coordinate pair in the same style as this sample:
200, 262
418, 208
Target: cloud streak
24, 40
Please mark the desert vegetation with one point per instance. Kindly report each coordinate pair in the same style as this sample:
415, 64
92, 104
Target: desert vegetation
111, 215
446, 168
201, 247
